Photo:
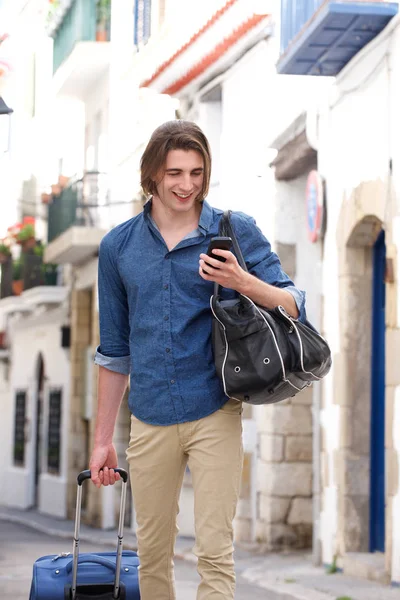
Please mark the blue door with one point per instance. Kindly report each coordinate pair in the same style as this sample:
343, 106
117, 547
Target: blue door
377, 484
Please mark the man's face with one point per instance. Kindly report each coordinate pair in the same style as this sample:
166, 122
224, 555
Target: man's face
181, 181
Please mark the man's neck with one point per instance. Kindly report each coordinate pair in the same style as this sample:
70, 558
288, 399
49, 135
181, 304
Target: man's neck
167, 220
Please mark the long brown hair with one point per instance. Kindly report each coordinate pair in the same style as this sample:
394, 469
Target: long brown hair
173, 135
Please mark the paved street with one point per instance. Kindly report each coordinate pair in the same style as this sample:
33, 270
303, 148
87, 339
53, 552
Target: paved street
20, 546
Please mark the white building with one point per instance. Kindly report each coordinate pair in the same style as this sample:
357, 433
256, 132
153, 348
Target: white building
223, 74
314, 466
349, 134
34, 374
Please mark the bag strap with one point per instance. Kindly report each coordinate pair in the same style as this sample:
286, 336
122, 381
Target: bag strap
226, 230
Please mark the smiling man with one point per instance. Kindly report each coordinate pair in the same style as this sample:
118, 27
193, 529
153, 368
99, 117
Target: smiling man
155, 328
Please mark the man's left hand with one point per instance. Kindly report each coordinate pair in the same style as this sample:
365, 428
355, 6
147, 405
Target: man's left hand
228, 274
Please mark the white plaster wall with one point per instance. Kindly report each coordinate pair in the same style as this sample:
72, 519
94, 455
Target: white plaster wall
97, 102
291, 228
27, 144
6, 419
209, 118
354, 126
257, 106
30, 337
395, 575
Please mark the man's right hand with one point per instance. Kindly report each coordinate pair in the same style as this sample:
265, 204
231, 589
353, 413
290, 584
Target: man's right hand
105, 458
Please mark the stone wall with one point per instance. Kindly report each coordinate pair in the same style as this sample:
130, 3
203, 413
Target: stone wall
80, 339
284, 473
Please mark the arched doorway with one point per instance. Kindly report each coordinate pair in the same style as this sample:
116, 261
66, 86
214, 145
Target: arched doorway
362, 397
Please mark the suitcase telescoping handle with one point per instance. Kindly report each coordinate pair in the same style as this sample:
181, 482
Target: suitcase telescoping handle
75, 554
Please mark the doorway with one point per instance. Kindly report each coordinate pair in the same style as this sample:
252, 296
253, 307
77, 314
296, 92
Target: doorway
377, 473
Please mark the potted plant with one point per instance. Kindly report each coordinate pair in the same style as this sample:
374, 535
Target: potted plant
3, 340
53, 7
46, 198
18, 282
56, 189
5, 253
63, 181
26, 236
103, 15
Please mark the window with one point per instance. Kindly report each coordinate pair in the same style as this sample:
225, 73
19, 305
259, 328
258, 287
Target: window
141, 22
19, 428
54, 432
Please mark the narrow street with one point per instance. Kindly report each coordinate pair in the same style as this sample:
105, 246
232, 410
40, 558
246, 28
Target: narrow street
20, 547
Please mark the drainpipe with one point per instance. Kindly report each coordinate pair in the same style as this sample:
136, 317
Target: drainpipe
316, 543
316, 460
312, 134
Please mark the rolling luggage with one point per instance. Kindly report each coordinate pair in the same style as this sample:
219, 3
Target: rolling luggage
100, 576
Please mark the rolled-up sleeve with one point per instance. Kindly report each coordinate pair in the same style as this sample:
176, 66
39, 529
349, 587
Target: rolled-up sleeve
262, 262
119, 364
113, 352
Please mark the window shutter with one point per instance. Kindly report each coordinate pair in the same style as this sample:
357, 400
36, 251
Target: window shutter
141, 22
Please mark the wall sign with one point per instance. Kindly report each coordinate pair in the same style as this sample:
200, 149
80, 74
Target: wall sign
314, 205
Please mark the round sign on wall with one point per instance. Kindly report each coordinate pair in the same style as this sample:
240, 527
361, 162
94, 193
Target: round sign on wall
314, 205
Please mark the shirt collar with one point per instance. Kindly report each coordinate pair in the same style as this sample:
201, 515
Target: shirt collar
206, 215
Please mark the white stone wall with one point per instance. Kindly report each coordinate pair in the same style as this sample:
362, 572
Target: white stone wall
32, 336
291, 228
357, 139
256, 105
5, 429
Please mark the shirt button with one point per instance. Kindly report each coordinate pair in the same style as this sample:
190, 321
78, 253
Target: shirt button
165, 286
167, 349
172, 381
166, 318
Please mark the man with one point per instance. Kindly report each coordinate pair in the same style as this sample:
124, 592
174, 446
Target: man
155, 283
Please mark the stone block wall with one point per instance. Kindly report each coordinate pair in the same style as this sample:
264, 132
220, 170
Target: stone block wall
244, 517
284, 473
81, 308
245, 512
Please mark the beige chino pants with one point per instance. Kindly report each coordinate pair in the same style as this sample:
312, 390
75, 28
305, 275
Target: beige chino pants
157, 456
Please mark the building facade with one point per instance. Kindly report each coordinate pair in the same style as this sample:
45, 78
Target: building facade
356, 467
302, 140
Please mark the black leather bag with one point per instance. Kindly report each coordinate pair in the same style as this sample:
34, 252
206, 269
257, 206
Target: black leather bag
263, 356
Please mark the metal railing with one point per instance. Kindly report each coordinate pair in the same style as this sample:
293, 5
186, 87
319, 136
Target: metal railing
83, 203
83, 21
32, 272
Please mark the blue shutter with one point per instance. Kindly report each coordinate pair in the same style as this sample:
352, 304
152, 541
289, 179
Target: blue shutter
141, 22
136, 22
146, 20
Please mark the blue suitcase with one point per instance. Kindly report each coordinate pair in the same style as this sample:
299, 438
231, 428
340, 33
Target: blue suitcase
101, 576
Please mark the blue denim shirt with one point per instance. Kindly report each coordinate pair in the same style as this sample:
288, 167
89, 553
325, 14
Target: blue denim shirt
155, 317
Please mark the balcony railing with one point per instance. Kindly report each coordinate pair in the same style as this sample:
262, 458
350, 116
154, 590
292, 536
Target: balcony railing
85, 21
83, 203
25, 273
319, 37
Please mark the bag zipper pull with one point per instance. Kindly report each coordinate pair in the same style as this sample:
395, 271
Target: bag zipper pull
61, 555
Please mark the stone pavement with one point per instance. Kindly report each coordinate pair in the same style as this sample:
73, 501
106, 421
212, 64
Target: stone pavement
290, 576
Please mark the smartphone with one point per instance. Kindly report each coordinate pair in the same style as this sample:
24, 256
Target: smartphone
222, 243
